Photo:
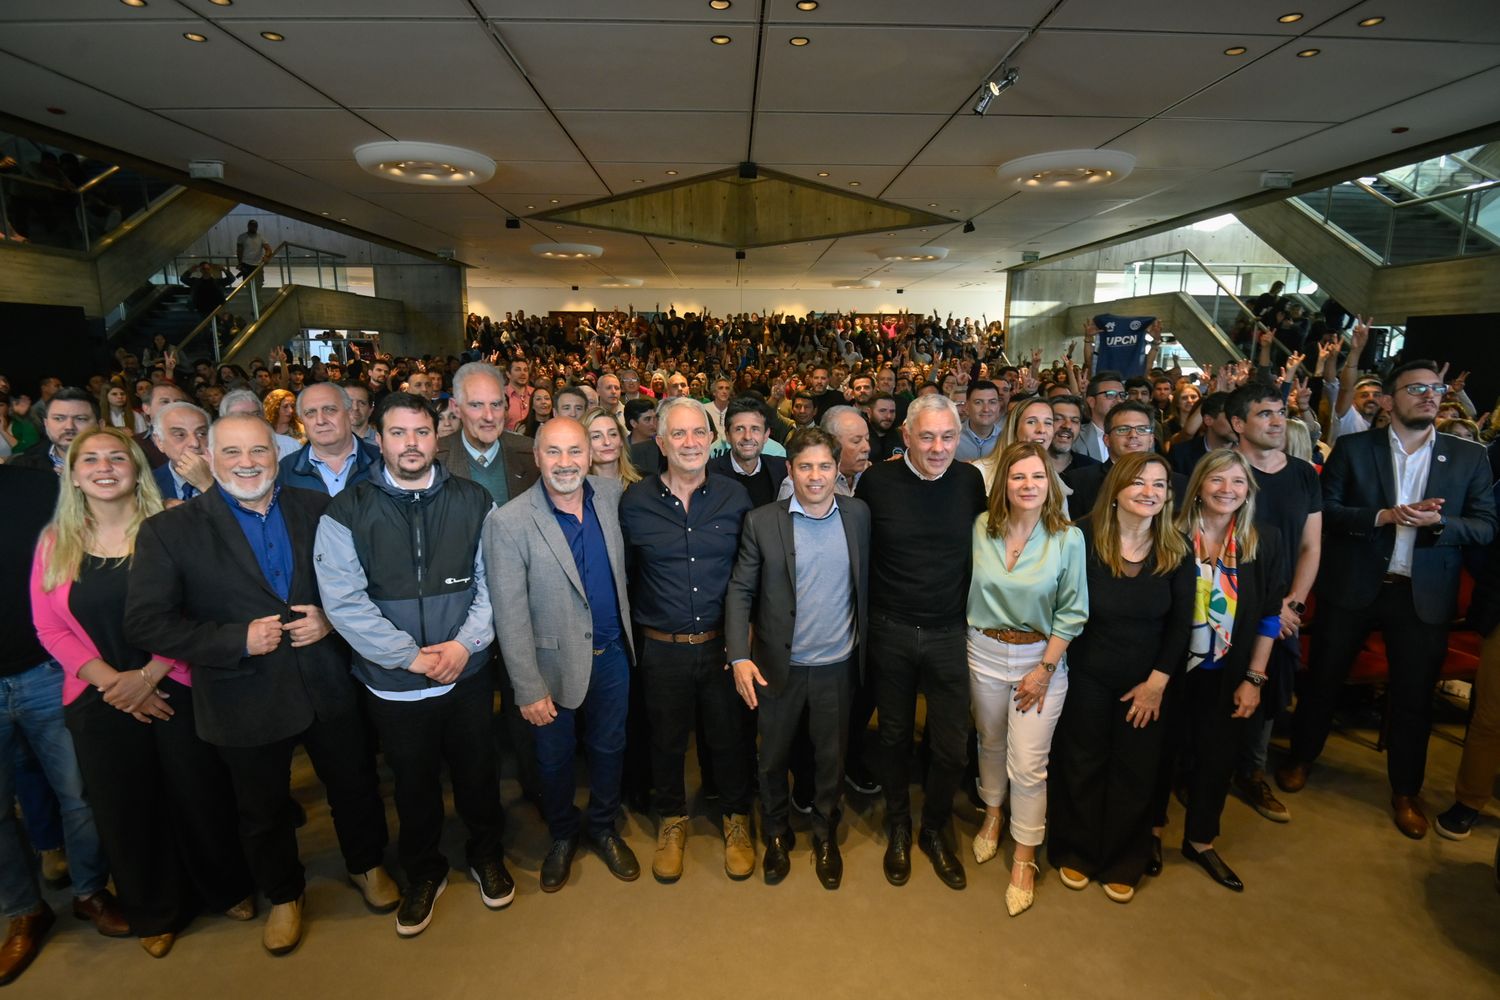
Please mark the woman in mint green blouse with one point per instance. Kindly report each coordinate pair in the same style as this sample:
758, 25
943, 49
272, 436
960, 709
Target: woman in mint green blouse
1028, 598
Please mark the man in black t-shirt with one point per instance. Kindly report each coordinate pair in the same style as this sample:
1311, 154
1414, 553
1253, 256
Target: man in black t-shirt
1290, 500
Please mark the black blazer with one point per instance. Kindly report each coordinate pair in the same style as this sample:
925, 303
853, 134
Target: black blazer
774, 464
195, 587
1086, 481
1263, 582
763, 589
1359, 480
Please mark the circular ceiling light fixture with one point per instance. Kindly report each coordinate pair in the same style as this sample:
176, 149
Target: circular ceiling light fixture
822, 173
807, 4
1289, 18
134, 3
1068, 169
427, 163
273, 36
1308, 53
193, 36
721, 39
719, 4
1370, 22
912, 253
622, 283
567, 251
857, 283
1235, 50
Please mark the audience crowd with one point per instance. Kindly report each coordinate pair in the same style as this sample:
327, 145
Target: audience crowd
753, 533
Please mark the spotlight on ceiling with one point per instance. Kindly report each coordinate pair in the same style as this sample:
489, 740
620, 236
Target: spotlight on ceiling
425, 163
512, 223
918, 253
994, 88
622, 283
969, 226
567, 251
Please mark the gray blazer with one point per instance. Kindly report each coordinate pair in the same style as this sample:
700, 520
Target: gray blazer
763, 588
542, 619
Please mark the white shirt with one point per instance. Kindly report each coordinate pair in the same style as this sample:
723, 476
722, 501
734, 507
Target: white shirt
1352, 422
421, 694
251, 247
735, 465
1411, 482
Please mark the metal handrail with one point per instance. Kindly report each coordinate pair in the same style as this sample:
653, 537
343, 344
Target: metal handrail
212, 319
103, 175
1206, 270
1455, 193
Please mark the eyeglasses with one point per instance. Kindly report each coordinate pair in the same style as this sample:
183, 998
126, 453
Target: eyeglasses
1111, 393
1420, 389
1135, 430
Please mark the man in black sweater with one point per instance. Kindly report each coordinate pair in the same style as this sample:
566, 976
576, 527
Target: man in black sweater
922, 510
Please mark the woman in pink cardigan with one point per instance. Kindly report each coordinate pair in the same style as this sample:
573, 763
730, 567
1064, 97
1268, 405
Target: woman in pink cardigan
160, 796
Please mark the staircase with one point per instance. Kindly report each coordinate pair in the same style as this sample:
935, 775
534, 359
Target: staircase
170, 314
1415, 233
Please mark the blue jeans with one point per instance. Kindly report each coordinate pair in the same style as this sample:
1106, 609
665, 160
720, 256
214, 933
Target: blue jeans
31, 706
603, 711
38, 804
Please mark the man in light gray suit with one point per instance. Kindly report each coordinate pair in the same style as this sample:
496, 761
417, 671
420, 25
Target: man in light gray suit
562, 616
795, 622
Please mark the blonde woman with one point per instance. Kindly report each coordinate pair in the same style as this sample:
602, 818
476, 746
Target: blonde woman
281, 413
1028, 599
607, 442
160, 796
1110, 739
1028, 421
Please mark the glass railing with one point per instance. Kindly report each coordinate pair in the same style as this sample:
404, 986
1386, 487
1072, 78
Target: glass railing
42, 204
1433, 227
287, 265
1441, 174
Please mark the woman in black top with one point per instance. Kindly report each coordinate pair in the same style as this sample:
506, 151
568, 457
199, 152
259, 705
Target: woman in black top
160, 796
1109, 739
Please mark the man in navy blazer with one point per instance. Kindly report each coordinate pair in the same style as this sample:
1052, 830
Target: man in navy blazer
746, 428
180, 430
1399, 505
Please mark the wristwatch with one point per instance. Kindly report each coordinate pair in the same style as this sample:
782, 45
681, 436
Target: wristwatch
1255, 679
1298, 607
1437, 529
1051, 668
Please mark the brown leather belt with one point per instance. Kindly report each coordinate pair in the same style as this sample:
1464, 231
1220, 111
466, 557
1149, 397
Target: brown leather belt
691, 638
1013, 636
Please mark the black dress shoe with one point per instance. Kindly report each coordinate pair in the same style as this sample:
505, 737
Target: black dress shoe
778, 858
617, 855
898, 854
558, 863
828, 862
1217, 870
944, 861
1153, 863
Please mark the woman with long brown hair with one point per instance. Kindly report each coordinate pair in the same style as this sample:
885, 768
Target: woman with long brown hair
1028, 599
281, 414
1109, 740
160, 796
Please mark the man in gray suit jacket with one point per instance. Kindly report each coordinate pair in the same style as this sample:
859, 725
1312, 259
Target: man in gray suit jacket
801, 581
556, 565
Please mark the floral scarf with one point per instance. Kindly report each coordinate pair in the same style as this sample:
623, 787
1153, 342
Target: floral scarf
1215, 601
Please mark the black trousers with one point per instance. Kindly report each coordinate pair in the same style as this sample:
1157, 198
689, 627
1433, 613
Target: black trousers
681, 681
907, 659
162, 802
1415, 650
418, 738
820, 696
1204, 732
516, 733
1099, 786
339, 748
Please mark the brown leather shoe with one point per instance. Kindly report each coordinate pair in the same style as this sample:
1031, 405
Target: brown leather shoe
157, 945
243, 910
103, 912
1410, 819
23, 941
1291, 777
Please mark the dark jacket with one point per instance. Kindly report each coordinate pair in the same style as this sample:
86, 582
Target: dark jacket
401, 569
1086, 481
297, 468
1359, 480
520, 464
194, 589
763, 588
775, 465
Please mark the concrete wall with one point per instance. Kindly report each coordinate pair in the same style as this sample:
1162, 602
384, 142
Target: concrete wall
436, 306
1038, 300
496, 302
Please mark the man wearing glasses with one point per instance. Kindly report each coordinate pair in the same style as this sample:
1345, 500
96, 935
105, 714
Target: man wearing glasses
1129, 427
1105, 390
1399, 505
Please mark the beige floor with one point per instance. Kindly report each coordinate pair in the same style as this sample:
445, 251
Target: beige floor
1338, 905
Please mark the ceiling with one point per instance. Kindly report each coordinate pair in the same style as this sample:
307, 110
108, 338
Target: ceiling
578, 100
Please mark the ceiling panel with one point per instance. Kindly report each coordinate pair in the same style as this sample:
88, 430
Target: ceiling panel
1177, 143
330, 8
566, 181
281, 133
685, 136
1210, 16
502, 135
972, 140
843, 138
960, 13
1445, 20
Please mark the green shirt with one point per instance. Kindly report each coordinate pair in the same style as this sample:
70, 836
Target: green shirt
1046, 592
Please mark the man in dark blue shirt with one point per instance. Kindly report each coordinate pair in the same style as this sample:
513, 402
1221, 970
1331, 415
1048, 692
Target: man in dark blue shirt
556, 564
682, 532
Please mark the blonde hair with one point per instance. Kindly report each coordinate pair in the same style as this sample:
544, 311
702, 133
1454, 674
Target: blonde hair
1190, 520
628, 472
1167, 544
66, 537
989, 465
272, 408
1054, 521
1299, 440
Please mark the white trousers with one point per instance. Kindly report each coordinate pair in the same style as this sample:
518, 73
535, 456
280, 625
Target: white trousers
1014, 746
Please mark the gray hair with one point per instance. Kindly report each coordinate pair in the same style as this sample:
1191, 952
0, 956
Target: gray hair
830, 421
172, 407
232, 417
237, 396
932, 402
666, 406
343, 394
468, 371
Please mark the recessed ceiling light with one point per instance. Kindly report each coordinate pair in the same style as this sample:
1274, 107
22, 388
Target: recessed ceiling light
552, 200
425, 163
721, 39
854, 184
1400, 130
919, 254
637, 180
622, 283
952, 211
807, 4
134, 3
222, 3
531, 206
822, 173
322, 213
671, 173
1068, 169
1370, 22
932, 204
799, 40
193, 36
273, 36
719, 4
567, 251
342, 219
1235, 50
1289, 18
1308, 53
857, 283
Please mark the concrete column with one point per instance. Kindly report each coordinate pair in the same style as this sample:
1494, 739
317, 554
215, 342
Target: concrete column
1037, 303
436, 300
